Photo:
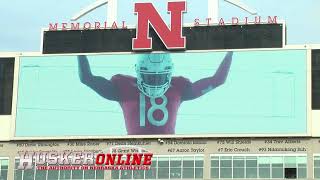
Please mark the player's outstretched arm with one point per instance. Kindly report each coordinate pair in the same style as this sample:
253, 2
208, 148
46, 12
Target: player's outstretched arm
202, 86
102, 86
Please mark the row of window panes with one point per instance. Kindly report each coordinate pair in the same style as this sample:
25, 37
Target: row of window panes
257, 166
4, 169
316, 165
185, 167
165, 167
33, 174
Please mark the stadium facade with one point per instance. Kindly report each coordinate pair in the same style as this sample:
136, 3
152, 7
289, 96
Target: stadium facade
235, 103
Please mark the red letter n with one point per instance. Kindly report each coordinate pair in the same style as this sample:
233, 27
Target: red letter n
170, 36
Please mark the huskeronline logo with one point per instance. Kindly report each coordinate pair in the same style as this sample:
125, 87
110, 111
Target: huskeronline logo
84, 161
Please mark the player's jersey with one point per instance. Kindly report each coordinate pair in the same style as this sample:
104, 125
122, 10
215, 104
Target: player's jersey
144, 115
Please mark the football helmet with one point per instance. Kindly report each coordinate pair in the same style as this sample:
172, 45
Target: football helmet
154, 73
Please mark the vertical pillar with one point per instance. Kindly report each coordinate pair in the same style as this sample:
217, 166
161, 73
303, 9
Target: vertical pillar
206, 166
112, 11
213, 10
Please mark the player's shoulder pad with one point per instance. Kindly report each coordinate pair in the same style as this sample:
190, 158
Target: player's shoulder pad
180, 80
122, 77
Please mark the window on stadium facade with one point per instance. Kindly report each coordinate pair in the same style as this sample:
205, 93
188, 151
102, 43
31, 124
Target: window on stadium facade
262, 166
34, 174
166, 167
4, 168
315, 79
6, 85
316, 165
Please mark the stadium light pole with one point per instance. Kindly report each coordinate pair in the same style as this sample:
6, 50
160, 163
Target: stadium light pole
213, 8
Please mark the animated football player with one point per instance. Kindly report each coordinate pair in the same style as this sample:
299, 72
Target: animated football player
151, 101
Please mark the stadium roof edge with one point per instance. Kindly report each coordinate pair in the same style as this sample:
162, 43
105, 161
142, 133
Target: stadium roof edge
38, 53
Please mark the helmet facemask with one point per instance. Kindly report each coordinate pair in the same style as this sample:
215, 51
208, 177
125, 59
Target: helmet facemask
154, 74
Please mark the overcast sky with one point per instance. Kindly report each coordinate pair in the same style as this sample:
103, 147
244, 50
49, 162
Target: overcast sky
22, 20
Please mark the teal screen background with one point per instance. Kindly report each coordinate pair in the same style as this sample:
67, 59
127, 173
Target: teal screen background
265, 92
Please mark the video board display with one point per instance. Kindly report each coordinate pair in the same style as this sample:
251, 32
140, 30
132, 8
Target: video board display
189, 93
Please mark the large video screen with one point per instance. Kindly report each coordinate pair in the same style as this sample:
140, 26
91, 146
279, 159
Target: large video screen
190, 93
